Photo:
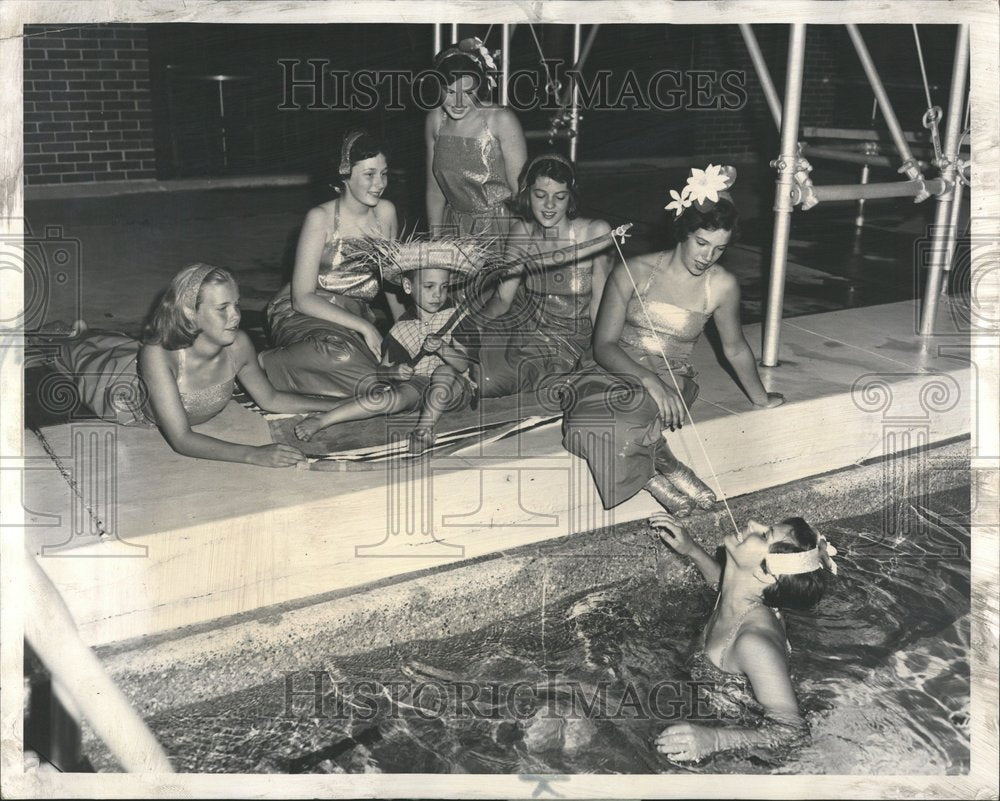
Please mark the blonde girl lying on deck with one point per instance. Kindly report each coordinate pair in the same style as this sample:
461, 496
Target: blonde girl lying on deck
740, 661
184, 370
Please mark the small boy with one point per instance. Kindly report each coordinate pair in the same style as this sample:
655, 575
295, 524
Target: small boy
420, 369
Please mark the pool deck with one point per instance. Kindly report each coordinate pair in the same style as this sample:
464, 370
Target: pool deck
190, 541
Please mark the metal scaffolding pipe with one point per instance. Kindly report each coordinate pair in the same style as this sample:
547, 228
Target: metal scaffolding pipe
562, 133
437, 39
454, 33
956, 210
505, 63
574, 108
859, 220
786, 164
912, 171
942, 215
763, 74
835, 192
850, 156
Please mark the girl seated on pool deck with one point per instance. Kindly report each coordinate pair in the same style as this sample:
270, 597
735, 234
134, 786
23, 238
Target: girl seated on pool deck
741, 658
423, 365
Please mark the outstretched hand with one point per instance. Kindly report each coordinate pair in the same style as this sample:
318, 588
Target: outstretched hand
672, 532
686, 742
277, 455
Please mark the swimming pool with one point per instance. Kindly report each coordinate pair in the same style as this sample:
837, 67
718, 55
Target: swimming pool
881, 672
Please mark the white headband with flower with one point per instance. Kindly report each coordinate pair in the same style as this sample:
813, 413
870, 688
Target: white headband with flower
703, 187
788, 564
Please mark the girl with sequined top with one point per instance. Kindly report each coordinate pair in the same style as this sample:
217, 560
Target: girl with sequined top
183, 372
543, 312
475, 149
638, 379
740, 661
322, 324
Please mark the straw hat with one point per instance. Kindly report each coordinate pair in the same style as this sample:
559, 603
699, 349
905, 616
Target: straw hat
463, 257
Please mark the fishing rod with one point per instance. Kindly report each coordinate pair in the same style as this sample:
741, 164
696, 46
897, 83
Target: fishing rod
503, 271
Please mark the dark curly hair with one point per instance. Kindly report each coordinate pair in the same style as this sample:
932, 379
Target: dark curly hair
452, 63
719, 216
542, 167
801, 590
366, 146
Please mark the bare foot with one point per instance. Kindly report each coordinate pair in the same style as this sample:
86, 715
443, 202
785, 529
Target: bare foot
305, 429
420, 440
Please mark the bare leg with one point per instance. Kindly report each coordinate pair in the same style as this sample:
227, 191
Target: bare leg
440, 396
398, 397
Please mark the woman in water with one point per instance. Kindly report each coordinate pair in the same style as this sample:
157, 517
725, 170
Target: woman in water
740, 663
545, 309
638, 380
475, 149
322, 324
190, 356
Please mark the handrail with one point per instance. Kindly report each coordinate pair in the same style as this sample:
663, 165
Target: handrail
49, 627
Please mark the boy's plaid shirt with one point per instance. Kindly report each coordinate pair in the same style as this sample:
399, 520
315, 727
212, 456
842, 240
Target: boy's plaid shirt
406, 338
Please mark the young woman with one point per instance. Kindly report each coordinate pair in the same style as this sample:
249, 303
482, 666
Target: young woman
651, 315
322, 324
183, 372
741, 659
475, 149
544, 312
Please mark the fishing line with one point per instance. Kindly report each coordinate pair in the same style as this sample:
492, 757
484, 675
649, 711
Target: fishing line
666, 361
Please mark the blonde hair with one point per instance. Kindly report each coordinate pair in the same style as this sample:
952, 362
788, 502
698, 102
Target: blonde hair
172, 324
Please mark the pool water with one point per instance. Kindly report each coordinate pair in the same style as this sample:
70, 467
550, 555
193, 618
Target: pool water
880, 669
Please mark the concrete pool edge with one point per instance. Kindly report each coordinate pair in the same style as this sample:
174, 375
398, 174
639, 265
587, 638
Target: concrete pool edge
200, 662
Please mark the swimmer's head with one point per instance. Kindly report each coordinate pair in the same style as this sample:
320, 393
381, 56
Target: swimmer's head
795, 590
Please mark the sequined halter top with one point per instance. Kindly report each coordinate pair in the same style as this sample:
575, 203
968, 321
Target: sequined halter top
669, 326
471, 171
339, 272
204, 403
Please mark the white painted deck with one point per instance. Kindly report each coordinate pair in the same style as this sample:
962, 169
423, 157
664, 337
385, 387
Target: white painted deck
190, 541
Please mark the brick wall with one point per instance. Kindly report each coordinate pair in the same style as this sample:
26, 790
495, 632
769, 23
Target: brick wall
750, 130
86, 104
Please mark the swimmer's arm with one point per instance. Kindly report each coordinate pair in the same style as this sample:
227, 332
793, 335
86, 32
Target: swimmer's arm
710, 570
674, 534
764, 662
762, 657
255, 382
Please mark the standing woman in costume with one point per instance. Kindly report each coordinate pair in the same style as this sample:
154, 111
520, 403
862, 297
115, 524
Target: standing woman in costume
546, 308
475, 149
651, 315
322, 324
183, 372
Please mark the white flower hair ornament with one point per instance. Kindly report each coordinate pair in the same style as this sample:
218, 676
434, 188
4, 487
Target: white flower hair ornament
704, 188
474, 46
787, 564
